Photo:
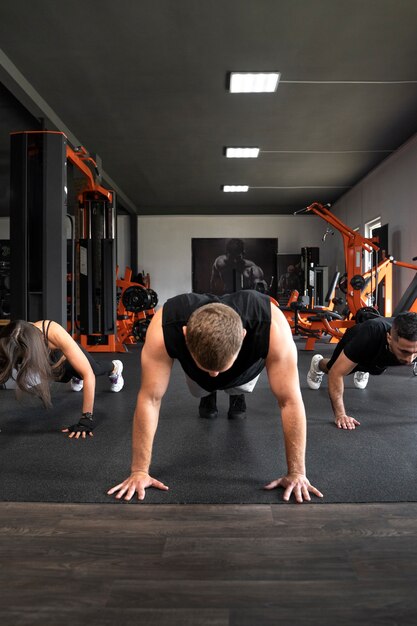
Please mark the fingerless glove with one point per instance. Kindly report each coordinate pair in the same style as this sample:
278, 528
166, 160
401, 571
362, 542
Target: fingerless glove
85, 425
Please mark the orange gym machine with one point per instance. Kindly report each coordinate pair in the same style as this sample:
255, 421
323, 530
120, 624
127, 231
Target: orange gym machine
113, 312
358, 287
408, 301
354, 245
94, 259
135, 308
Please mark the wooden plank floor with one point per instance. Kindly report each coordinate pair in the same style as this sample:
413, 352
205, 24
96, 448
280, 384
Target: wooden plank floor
199, 565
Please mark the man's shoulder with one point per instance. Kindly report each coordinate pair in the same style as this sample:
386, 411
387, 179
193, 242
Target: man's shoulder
181, 306
250, 304
375, 329
246, 295
377, 324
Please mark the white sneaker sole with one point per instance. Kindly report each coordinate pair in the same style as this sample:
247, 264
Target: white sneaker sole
312, 372
119, 386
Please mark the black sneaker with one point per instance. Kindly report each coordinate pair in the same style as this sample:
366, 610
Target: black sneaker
237, 407
208, 407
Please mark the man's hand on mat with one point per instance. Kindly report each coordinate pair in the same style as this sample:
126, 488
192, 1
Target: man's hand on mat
296, 484
346, 422
137, 482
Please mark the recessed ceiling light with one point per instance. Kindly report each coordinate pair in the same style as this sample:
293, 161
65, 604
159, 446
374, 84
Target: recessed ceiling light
253, 82
242, 153
235, 188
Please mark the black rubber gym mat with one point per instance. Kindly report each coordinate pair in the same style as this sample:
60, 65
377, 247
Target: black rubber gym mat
219, 461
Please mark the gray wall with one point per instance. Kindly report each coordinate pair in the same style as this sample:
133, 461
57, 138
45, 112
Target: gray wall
389, 191
123, 243
165, 242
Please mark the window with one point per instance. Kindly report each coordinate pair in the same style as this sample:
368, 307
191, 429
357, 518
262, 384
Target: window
369, 230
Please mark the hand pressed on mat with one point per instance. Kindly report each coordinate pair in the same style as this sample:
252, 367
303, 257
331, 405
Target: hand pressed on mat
296, 484
346, 422
137, 482
82, 428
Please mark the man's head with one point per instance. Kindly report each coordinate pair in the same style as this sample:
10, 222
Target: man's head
214, 336
402, 340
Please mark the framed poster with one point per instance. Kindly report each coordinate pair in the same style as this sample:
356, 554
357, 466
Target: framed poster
221, 265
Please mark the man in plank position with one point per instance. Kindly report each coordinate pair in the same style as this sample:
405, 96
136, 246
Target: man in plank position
222, 343
366, 348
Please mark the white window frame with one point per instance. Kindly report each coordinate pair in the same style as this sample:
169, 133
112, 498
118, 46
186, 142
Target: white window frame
369, 229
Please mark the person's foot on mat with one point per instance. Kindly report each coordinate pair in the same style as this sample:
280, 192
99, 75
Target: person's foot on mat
360, 379
237, 407
315, 375
116, 378
208, 406
76, 383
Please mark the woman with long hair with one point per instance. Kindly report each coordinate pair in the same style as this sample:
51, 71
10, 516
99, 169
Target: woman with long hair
34, 354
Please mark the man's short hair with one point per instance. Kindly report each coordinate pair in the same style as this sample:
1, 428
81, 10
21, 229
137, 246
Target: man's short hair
214, 335
405, 326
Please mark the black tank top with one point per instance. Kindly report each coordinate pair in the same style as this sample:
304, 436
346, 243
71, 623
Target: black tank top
254, 309
55, 355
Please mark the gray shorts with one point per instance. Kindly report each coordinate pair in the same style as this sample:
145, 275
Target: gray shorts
199, 392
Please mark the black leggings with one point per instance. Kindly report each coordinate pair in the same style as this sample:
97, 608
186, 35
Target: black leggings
99, 368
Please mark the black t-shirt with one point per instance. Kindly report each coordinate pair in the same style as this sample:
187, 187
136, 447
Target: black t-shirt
367, 345
254, 309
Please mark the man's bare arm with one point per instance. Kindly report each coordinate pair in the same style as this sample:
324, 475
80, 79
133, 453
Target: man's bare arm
341, 368
156, 371
282, 372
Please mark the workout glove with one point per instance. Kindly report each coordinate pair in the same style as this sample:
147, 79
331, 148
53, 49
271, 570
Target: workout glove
85, 425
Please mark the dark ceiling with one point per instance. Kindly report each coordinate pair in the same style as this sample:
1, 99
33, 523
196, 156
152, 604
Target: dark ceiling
143, 85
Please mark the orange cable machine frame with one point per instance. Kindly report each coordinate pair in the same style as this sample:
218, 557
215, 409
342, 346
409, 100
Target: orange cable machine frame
82, 160
135, 302
316, 321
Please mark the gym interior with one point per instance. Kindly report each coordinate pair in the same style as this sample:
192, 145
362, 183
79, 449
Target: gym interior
134, 165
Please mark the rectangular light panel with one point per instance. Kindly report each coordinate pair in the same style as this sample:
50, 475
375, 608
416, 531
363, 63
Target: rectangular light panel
253, 82
242, 153
235, 188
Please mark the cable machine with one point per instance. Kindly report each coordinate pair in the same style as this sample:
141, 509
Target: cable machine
95, 260
74, 284
355, 284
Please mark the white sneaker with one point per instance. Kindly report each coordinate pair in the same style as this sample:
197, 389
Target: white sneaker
10, 384
315, 375
360, 379
77, 383
116, 378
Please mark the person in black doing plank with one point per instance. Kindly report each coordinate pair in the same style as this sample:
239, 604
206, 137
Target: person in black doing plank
366, 348
34, 354
221, 343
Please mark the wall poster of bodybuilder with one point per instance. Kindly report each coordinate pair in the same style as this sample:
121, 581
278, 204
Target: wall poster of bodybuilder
225, 265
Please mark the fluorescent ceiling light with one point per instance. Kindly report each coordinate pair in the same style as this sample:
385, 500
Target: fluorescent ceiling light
242, 153
235, 188
259, 82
